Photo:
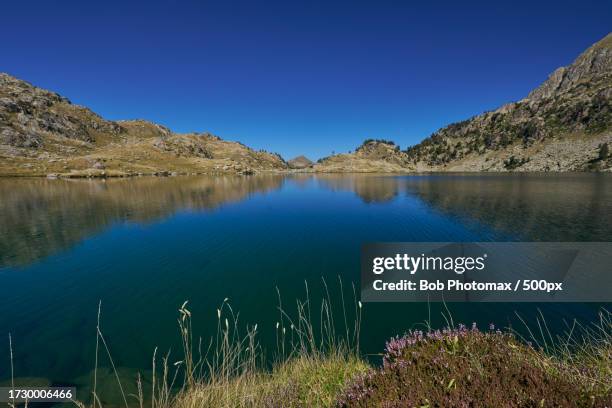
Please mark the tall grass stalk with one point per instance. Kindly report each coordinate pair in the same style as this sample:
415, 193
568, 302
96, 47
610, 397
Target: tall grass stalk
234, 371
584, 351
12, 403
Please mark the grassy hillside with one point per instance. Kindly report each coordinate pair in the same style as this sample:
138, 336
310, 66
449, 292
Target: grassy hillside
43, 133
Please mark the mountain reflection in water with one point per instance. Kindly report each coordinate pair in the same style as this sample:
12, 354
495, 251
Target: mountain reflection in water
530, 207
39, 217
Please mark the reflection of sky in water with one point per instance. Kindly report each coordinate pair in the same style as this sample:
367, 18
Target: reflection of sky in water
144, 246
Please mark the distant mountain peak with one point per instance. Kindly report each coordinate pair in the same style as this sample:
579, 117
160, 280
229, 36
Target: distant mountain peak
300, 162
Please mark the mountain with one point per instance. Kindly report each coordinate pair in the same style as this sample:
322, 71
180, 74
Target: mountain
563, 125
300, 162
42, 132
372, 156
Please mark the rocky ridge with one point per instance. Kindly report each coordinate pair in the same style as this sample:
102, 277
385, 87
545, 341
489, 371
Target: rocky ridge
563, 125
43, 133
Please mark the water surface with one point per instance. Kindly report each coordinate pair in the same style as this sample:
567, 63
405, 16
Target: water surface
143, 246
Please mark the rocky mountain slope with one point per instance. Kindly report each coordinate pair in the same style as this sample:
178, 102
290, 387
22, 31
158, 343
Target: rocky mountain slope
563, 125
43, 133
372, 156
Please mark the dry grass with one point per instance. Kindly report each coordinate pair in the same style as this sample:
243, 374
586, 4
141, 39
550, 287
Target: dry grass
299, 382
311, 364
141, 149
583, 352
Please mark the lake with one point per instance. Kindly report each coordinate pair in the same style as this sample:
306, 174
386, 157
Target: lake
143, 246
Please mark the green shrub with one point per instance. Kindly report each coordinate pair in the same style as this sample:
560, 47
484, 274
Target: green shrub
512, 162
384, 141
604, 151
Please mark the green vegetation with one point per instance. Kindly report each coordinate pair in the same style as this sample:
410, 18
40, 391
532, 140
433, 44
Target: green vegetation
512, 163
602, 157
604, 151
384, 141
468, 367
584, 108
319, 365
299, 382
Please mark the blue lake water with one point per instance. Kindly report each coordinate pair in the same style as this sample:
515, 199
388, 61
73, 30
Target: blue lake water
143, 246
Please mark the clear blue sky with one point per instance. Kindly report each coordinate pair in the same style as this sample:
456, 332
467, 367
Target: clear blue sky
296, 77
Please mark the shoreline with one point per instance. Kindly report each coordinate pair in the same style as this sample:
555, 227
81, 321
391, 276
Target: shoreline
117, 174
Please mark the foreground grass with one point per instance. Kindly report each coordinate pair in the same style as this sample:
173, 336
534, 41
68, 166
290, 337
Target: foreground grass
312, 364
321, 366
440, 368
583, 354
300, 382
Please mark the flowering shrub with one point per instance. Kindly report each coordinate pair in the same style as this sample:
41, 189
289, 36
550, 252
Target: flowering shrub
464, 367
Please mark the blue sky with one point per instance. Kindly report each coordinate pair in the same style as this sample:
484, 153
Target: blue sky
307, 77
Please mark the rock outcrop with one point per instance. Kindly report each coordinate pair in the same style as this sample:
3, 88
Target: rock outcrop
300, 162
